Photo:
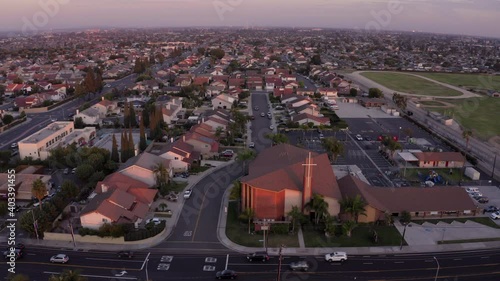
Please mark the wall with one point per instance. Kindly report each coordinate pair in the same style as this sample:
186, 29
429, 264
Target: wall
333, 206
266, 204
372, 215
51, 236
36, 110
293, 198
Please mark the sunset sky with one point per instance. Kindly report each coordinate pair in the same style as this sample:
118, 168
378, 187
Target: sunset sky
472, 17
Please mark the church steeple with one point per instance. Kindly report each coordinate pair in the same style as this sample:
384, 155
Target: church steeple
307, 189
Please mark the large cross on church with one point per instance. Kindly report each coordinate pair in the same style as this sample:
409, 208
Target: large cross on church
307, 190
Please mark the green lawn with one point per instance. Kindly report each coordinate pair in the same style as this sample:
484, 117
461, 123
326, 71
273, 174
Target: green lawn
482, 220
480, 115
411, 174
177, 186
432, 103
361, 237
237, 232
410, 84
475, 81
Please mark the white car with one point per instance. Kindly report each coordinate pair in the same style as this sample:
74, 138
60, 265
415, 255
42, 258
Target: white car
155, 221
13, 145
476, 194
271, 127
61, 258
187, 193
251, 145
359, 137
495, 215
471, 190
336, 256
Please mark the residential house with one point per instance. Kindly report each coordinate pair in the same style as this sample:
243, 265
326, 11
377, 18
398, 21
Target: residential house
143, 166
106, 107
172, 111
305, 118
439, 159
372, 102
255, 83
206, 146
181, 154
89, 116
328, 92
223, 101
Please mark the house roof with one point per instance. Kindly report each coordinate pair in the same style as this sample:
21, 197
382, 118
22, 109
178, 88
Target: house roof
281, 167
302, 116
146, 160
439, 156
411, 199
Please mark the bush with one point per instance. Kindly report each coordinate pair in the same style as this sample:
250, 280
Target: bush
280, 228
145, 233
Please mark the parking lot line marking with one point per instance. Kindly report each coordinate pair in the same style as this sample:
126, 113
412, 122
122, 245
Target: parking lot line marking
145, 260
227, 261
199, 214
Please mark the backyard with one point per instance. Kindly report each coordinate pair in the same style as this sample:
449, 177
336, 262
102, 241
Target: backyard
410, 84
362, 236
474, 81
237, 231
476, 114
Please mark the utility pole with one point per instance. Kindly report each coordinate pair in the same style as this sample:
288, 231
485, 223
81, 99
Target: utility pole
279, 262
493, 170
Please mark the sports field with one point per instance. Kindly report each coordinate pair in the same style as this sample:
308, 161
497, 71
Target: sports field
400, 82
480, 115
474, 81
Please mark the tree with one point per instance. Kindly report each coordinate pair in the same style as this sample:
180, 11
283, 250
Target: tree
142, 142
79, 123
163, 206
333, 148
353, 206
235, 193
161, 175
19, 277
5, 156
201, 51
393, 146
7, 119
114, 151
277, 138
375, 93
296, 216
248, 215
68, 275
245, 156
319, 206
69, 189
217, 53
84, 171
400, 100
124, 148
405, 217
132, 117
126, 115
353, 92
316, 59
39, 190
348, 227
131, 145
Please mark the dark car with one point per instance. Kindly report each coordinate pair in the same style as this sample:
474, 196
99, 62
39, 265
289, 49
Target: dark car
258, 256
125, 254
483, 200
299, 265
226, 274
490, 209
18, 253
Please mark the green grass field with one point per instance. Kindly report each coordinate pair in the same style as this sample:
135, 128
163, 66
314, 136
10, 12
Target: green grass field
480, 115
400, 82
475, 81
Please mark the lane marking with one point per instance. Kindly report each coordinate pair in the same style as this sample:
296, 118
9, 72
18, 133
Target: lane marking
227, 261
145, 260
199, 214
123, 260
96, 276
368, 263
457, 259
399, 262
77, 265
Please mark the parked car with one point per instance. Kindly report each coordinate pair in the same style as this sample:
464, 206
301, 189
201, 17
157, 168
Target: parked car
495, 215
476, 194
125, 254
256, 108
483, 200
258, 256
321, 136
271, 127
262, 114
187, 193
73, 170
336, 256
13, 145
359, 137
368, 139
226, 274
155, 221
472, 190
60, 258
227, 153
490, 209
172, 197
66, 171
299, 265
251, 145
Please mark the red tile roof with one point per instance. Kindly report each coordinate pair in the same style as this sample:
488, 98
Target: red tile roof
439, 156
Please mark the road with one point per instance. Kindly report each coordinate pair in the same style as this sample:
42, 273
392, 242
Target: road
260, 125
481, 265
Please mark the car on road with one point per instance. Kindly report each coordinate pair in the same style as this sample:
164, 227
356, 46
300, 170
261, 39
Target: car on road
358, 137
227, 153
66, 171
73, 170
18, 253
53, 119
336, 256
262, 114
299, 265
258, 256
271, 127
252, 117
251, 145
490, 209
495, 215
60, 258
321, 136
368, 139
13, 145
125, 254
256, 108
226, 274
187, 193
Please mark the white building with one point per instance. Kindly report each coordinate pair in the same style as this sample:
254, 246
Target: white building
39, 144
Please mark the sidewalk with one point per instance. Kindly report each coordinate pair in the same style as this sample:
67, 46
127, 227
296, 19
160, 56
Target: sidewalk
175, 207
391, 250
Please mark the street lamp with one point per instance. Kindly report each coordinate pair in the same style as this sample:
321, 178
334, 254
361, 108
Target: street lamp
437, 270
399, 133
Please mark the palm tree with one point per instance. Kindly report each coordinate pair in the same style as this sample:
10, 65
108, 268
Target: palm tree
353, 206
393, 146
277, 138
248, 215
39, 190
245, 156
333, 148
330, 225
296, 215
319, 206
218, 133
162, 175
162, 206
348, 227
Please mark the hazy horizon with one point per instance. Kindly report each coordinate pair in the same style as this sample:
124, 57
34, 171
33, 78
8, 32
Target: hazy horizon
465, 17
